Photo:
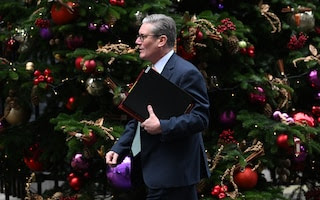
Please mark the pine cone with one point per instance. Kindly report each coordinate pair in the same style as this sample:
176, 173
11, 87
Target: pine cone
232, 44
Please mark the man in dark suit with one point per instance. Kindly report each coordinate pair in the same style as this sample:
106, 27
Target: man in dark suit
172, 156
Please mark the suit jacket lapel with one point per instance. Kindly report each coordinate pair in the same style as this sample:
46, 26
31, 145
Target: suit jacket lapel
168, 68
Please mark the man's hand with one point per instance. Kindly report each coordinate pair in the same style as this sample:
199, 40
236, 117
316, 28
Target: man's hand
112, 158
152, 124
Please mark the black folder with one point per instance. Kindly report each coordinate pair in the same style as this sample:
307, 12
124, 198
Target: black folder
151, 88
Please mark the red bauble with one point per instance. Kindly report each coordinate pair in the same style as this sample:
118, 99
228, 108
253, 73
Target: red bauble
246, 179
74, 42
33, 164
117, 2
89, 139
185, 54
282, 141
316, 110
70, 104
251, 51
61, 15
199, 35
89, 66
31, 158
78, 63
75, 183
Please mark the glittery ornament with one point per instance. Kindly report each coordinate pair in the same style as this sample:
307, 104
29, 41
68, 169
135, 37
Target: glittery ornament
95, 86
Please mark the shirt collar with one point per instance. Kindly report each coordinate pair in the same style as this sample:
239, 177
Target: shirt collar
163, 61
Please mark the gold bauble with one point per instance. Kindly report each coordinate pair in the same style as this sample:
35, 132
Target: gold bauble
16, 116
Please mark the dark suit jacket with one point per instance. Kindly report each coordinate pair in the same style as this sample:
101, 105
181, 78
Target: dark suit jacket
176, 157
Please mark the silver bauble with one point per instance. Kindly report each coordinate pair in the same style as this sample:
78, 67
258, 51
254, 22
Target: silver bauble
95, 86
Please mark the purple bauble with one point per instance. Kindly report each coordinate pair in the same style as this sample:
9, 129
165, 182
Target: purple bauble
120, 176
104, 28
79, 162
314, 79
92, 26
228, 118
45, 33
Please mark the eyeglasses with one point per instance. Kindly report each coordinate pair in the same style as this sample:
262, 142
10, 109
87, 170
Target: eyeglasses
143, 37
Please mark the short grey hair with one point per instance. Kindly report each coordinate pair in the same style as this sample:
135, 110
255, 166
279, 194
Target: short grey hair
163, 25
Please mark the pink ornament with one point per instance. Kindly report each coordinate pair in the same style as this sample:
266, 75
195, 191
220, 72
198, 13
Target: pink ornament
120, 176
258, 96
79, 162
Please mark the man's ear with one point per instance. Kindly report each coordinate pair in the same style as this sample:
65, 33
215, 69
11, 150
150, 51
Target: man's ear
163, 40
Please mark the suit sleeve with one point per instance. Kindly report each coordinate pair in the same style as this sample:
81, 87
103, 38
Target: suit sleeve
197, 120
123, 145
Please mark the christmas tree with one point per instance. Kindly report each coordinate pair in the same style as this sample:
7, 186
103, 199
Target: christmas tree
66, 65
